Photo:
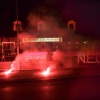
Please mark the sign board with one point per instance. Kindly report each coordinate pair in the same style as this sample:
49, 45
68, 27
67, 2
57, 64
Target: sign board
58, 39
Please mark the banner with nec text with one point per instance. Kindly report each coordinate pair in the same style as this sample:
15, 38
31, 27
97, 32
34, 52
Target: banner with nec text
83, 57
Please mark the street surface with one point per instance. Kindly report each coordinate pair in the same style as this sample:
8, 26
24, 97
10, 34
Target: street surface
83, 86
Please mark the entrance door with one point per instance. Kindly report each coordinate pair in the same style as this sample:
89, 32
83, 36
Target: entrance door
8, 51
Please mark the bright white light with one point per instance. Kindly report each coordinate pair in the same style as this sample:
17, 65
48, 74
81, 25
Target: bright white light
52, 39
8, 71
69, 42
84, 42
47, 72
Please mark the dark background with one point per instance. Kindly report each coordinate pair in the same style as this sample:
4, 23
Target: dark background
86, 13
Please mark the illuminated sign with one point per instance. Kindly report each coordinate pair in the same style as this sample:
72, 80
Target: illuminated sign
59, 39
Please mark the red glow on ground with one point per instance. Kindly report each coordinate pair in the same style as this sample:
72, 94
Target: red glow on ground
8, 72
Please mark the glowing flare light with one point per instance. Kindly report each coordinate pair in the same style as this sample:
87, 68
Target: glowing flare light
47, 72
8, 72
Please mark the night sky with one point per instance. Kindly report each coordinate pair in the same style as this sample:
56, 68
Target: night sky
86, 13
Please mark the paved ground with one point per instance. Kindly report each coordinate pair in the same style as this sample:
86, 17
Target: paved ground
68, 88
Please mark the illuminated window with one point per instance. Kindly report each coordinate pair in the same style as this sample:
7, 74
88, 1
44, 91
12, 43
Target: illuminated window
8, 49
17, 25
71, 25
41, 26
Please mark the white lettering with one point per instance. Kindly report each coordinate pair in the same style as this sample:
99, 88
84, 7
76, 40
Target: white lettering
90, 59
81, 58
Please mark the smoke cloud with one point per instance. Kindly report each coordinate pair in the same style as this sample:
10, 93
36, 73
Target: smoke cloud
56, 57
